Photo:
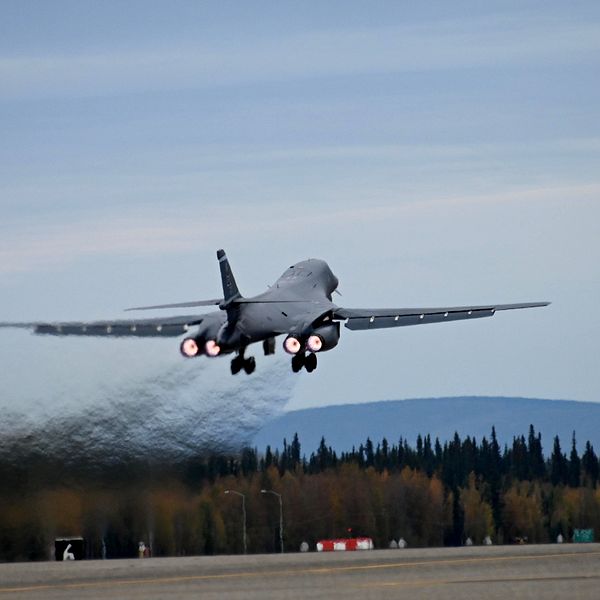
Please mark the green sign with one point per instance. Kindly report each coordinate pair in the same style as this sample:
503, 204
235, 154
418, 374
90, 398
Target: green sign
583, 535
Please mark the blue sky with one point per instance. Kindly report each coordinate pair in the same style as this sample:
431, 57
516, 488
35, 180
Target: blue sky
437, 154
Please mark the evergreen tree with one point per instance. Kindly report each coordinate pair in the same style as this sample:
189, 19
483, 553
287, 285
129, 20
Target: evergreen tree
493, 476
268, 461
249, 462
537, 466
558, 465
574, 471
519, 459
590, 465
295, 452
322, 456
419, 461
369, 454
428, 456
438, 453
385, 453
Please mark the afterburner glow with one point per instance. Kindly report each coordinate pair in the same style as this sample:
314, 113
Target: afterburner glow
292, 345
212, 348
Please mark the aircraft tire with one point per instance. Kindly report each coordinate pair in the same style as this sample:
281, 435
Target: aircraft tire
250, 365
310, 364
236, 365
297, 362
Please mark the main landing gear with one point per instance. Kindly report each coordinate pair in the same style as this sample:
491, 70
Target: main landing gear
308, 361
239, 363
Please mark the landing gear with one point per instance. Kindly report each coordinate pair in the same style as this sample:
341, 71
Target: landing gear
308, 361
297, 362
250, 365
269, 346
239, 363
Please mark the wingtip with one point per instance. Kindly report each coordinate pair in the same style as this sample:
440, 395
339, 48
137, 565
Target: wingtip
220, 253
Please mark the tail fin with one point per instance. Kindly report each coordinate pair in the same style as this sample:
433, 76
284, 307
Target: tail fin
230, 288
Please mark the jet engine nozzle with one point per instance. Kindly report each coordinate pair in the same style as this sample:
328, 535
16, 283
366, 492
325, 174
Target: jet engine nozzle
212, 349
292, 345
189, 348
324, 337
314, 343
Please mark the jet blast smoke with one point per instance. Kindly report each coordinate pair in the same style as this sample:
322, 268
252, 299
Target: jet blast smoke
106, 402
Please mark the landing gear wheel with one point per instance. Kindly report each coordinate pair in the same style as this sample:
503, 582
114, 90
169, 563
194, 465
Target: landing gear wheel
269, 346
310, 363
250, 365
237, 364
297, 362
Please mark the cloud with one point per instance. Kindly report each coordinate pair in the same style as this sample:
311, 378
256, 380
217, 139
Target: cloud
35, 247
452, 44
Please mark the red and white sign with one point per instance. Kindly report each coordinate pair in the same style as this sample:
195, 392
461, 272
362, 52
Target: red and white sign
348, 544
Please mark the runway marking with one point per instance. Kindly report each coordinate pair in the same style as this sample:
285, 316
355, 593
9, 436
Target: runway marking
437, 582
286, 572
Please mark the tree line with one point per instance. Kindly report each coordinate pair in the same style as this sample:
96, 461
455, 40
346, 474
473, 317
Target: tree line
431, 494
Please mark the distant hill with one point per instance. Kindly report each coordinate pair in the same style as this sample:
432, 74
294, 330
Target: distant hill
349, 425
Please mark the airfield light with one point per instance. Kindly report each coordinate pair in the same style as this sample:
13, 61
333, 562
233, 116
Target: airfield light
280, 515
243, 497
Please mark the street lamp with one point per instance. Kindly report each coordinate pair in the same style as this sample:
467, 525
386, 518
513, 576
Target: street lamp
243, 513
280, 515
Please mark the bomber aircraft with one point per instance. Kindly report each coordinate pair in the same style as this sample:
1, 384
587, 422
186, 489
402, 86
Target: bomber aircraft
298, 305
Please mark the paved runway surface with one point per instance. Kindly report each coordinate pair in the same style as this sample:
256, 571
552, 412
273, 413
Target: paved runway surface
552, 571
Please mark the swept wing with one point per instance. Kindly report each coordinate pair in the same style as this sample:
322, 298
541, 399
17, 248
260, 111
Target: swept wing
382, 318
155, 327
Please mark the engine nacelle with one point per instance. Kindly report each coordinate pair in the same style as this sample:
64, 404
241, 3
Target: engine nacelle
204, 342
323, 338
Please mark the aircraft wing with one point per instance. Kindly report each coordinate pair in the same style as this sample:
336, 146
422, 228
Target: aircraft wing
155, 327
381, 318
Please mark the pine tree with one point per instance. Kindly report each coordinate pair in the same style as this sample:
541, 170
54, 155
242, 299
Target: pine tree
295, 452
369, 454
268, 457
558, 465
574, 471
428, 456
537, 467
322, 456
590, 465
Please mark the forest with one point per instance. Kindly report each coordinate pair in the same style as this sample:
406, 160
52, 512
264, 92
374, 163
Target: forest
430, 494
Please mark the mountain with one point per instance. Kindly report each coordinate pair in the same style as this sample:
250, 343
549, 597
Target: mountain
347, 425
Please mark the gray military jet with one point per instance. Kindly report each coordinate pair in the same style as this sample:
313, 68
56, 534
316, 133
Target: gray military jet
298, 305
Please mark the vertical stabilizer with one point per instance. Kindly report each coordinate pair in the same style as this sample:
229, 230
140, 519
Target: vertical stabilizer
230, 288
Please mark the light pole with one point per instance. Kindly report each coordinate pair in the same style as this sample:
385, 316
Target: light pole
243, 514
280, 515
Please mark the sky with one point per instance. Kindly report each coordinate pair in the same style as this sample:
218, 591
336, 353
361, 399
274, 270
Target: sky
434, 154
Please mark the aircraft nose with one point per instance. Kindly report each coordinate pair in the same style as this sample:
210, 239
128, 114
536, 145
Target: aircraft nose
334, 283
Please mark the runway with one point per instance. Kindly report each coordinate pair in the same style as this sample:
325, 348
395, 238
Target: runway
546, 571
